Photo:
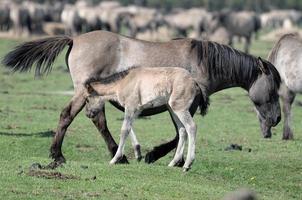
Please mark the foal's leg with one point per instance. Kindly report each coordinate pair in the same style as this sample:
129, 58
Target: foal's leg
126, 128
101, 124
136, 146
163, 149
180, 147
67, 115
190, 126
288, 98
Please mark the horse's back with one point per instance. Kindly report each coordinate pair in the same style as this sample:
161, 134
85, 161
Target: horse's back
287, 59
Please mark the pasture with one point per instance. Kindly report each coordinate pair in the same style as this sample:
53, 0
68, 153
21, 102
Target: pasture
29, 112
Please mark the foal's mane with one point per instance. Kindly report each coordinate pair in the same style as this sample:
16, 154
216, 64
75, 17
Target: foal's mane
223, 62
109, 79
273, 53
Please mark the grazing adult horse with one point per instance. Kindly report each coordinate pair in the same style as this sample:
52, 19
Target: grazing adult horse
286, 56
104, 53
137, 89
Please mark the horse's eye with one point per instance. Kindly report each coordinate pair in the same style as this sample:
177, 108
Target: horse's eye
87, 100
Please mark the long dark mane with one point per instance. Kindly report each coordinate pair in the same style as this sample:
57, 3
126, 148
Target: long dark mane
222, 62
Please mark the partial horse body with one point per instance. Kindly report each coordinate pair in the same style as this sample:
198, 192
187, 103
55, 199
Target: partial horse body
286, 56
241, 24
104, 53
139, 88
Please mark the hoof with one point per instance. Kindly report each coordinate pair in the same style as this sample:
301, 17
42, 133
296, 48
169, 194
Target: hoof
122, 160
139, 158
54, 165
287, 137
267, 136
180, 163
171, 164
186, 169
150, 158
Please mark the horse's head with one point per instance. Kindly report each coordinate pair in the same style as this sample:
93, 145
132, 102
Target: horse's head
94, 102
264, 94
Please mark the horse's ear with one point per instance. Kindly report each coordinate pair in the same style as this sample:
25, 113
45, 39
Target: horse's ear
263, 66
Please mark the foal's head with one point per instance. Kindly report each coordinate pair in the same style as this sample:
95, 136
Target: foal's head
94, 102
264, 94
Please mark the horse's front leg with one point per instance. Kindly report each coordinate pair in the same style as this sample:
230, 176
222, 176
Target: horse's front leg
163, 149
101, 123
125, 130
67, 115
288, 98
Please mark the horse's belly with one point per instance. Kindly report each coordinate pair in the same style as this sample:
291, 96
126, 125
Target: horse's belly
152, 103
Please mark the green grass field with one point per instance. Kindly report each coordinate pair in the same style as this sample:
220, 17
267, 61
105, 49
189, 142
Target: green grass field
29, 111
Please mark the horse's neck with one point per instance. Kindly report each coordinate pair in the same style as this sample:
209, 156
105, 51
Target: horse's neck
221, 83
108, 91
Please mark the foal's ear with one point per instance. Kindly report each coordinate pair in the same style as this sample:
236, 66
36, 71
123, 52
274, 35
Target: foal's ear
263, 66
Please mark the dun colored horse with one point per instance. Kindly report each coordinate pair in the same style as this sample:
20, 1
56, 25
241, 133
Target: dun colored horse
137, 89
104, 53
286, 56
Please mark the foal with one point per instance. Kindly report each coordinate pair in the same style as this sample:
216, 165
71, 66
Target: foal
137, 89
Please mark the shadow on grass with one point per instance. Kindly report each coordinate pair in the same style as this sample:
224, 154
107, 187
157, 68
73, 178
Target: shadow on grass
39, 134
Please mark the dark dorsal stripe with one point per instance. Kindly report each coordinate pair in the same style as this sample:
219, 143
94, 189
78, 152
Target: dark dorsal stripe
109, 79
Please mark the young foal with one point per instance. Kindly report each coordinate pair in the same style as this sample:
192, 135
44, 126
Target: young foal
137, 89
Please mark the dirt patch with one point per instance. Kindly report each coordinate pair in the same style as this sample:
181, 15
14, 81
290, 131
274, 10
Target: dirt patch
51, 175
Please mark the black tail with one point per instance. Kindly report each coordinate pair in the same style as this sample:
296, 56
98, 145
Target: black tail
204, 99
41, 53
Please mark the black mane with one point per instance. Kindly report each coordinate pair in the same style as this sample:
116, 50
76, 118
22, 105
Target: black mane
222, 62
109, 79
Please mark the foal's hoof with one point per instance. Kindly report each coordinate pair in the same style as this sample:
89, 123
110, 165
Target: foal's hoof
180, 163
122, 160
186, 169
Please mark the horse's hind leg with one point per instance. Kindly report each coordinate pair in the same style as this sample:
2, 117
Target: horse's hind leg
288, 98
136, 146
180, 147
101, 124
190, 126
66, 117
163, 149
178, 157
125, 130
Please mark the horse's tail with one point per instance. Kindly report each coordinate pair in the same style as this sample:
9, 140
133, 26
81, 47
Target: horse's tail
39, 53
204, 101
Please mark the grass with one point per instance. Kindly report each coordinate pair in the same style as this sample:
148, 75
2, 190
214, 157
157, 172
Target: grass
29, 111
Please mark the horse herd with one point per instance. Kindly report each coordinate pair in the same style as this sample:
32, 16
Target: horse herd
145, 78
132, 20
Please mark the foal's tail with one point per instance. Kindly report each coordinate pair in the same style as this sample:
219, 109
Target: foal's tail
204, 99
39, 53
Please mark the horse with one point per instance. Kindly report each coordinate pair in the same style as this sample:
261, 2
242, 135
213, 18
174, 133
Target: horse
285, 55
137, 89
104, 53
241, 24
